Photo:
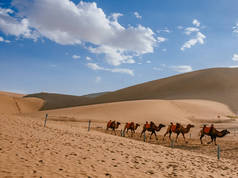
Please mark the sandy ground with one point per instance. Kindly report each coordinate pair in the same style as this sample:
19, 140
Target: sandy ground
28, 149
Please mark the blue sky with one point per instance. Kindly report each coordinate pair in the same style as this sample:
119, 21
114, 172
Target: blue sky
81, 47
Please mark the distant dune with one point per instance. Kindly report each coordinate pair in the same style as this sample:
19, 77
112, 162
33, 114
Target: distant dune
12, 103
217, 84
55, 101
159, 111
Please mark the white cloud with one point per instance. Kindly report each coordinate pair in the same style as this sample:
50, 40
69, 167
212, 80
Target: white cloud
189, 30
182, 68
164, 49
180, 27
3, 40
75, 56
198, 38
196, 23
148, 62
67, 23
11, 26
137, 15
157, 68
236, 66
94, 66
113, 56
88, 58
165, 30
98, 79
235, 57
161, 39
235, 28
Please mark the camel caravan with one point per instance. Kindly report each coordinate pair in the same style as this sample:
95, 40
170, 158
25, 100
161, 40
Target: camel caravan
172, 128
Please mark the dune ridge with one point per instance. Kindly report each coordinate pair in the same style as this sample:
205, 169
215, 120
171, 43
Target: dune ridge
216, 84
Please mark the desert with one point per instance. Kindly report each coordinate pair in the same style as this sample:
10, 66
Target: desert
67, 147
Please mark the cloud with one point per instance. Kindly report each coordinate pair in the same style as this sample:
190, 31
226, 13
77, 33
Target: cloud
236, 66
137, 15
94, 66
198, 38
165, 30
88, 58
235, 28
67, 23
98, 79
189, 30
180, 27
75, 56
113, 56
3, 40
148, 62
235, 57
182, 68
164, 50
161, 39
12, 26
196, 23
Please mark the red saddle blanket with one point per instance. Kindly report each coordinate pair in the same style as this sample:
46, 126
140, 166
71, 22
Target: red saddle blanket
206, 129
173, 128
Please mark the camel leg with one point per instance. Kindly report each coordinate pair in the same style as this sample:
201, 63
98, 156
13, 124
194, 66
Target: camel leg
143, 131
156, 136
202, 135
170, 133
215, 140
184, 138
151, 134
211, 140
165, 134
177, 137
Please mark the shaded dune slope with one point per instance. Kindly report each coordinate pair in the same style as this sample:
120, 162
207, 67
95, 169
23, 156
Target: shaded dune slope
218, 84
56, 101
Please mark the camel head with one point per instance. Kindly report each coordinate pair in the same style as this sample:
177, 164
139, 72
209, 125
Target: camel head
226, 131
190, 126
137, 125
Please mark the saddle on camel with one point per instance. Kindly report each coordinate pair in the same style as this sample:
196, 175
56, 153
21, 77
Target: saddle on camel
131, 126
213, 133
112, 125
178, 128
152, 128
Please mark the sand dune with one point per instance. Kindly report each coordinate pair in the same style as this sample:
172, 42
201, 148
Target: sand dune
217, 84
163, 111
11, 103
55, 101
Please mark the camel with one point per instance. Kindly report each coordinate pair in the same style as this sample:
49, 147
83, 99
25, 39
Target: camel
131, 126
213, 133
178, 128
113, 125
152, 128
